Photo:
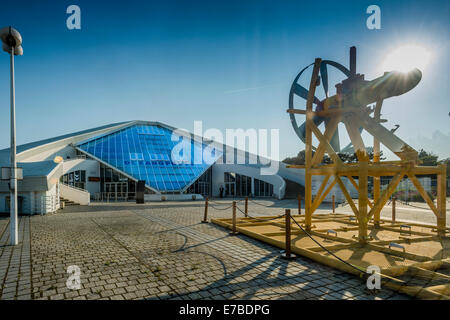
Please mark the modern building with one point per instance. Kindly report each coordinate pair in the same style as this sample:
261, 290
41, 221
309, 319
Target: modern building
105, 163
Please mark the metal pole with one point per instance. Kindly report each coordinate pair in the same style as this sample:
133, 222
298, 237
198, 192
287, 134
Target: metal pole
393, 209
288, 233
246, 207
233, 220
205, 217
299, 199
14, 237
287, 252
333, 199
352, 61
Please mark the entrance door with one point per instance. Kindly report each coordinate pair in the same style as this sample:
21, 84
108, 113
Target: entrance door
116, 190
202, 188
230, 189
122, 190
110, 190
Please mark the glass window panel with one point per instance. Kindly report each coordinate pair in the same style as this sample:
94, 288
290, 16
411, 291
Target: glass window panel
144, 151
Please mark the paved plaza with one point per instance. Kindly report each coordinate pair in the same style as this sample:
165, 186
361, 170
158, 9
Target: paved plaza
162, 251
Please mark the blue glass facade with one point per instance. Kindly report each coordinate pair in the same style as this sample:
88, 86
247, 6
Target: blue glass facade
145, 153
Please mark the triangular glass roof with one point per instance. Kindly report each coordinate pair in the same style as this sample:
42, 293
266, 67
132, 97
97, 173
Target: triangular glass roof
145, 153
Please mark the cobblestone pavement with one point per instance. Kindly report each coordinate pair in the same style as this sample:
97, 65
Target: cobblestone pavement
15, 264
159, 251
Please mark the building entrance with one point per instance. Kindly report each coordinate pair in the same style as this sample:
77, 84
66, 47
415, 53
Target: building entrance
116, 190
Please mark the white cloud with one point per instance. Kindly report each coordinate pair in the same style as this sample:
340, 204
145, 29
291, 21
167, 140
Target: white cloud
439, 144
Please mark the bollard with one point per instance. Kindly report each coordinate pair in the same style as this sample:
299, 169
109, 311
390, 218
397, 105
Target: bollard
393, 209
287, 252
205, 217
299, 199
333, 198
246, 207
233, 230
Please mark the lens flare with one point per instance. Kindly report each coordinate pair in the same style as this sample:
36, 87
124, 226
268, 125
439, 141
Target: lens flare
406, 58
58, 159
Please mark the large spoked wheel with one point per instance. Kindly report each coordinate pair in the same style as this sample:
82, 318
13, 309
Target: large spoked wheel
298, 90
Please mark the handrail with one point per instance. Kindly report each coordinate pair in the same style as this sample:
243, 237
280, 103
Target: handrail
47, 204
75, 194
114, 196
73, 187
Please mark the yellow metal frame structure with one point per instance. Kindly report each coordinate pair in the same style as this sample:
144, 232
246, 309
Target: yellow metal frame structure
353, 119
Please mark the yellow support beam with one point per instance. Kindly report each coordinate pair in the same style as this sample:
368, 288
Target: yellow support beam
333, 155
362, 201
347, 196
441, 199
329, 132
318, 201
349, 177
322, 186
379, 204
351, 124
376, 159
308, 145
422, 192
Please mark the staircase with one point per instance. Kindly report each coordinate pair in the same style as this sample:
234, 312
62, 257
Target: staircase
73, 196
68, 202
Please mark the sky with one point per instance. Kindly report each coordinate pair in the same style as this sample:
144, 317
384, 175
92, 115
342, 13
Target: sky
228, 63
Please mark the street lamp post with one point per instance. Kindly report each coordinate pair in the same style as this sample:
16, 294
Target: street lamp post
12, 41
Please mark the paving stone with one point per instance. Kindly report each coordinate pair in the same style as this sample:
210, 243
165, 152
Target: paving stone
157, 251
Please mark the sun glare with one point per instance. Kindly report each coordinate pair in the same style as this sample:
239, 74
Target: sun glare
406, 58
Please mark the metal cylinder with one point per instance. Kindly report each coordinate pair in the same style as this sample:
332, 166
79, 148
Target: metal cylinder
288, 233
246, 207
205, 216
393, 209
352, 61
333, 203
299, 200
14, 237
233, 230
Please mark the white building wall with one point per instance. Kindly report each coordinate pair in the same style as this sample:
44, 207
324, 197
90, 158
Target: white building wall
336, 190
277, 181
40, 202
32, 202
48, 201
76, 195
407, 185
50, 154
92, 168
27, 202
218, 171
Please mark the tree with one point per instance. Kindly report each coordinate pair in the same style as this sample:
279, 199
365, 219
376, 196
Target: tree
297, 160
446, 162
345, 157
428, 158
